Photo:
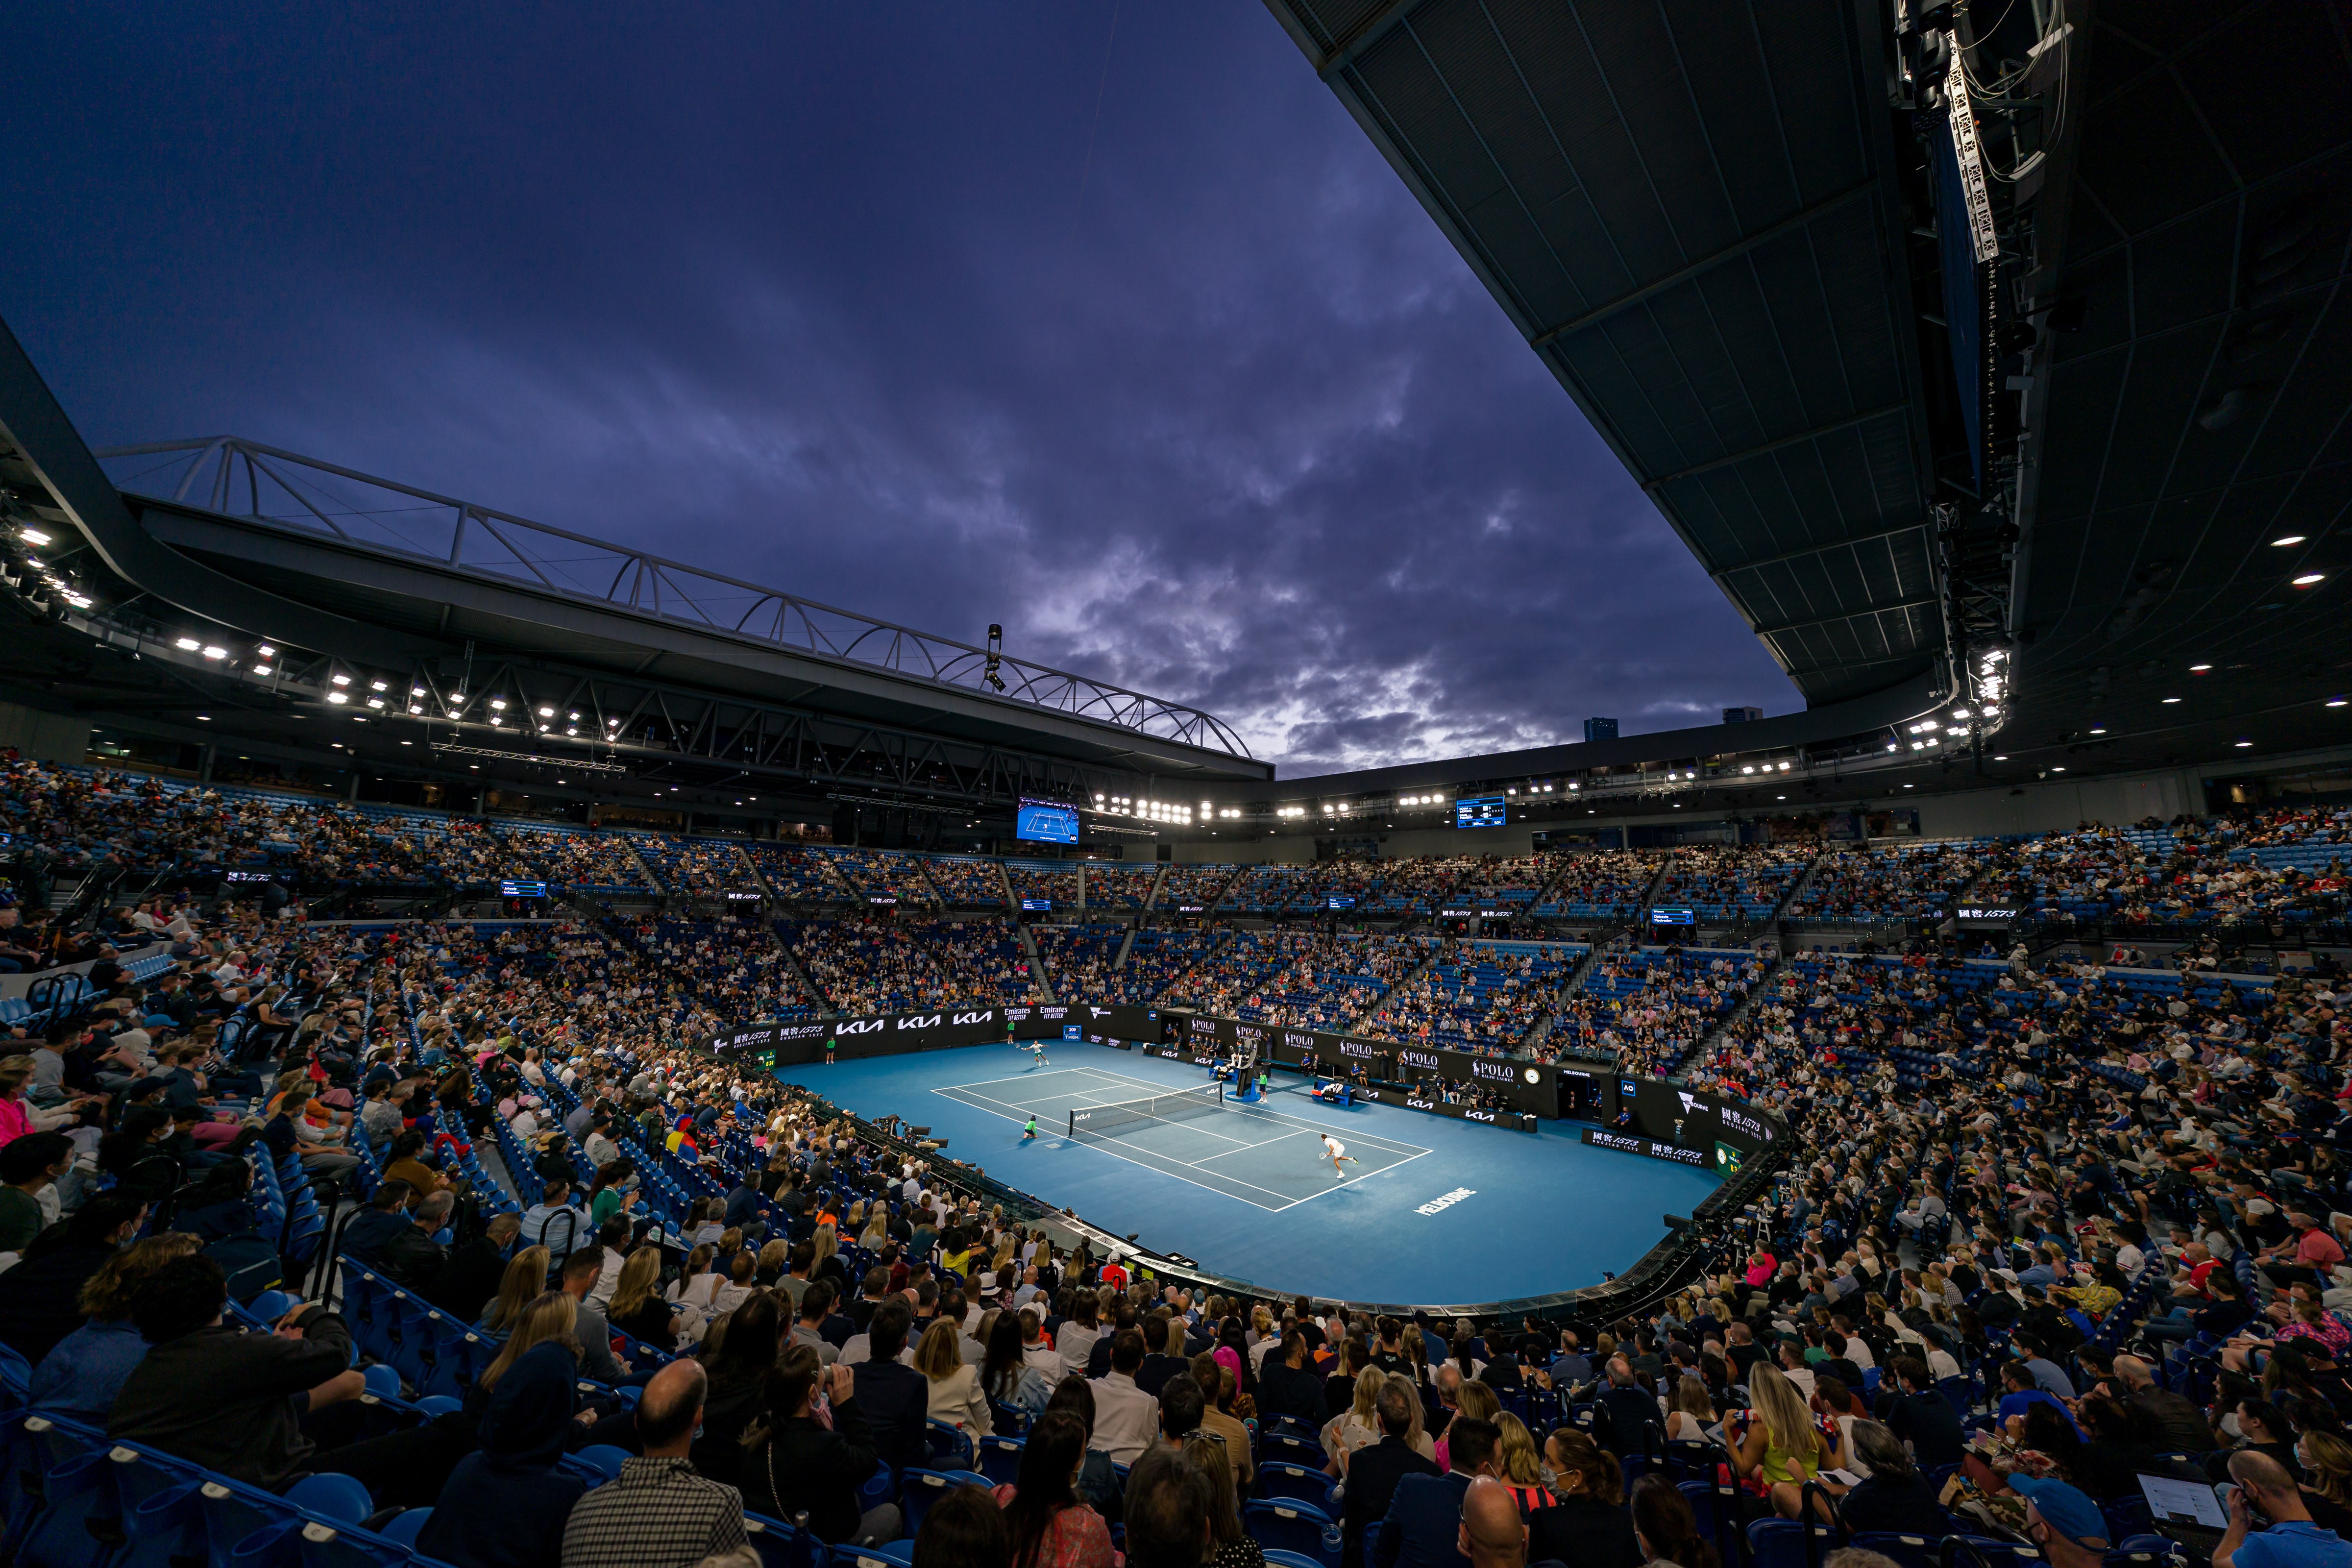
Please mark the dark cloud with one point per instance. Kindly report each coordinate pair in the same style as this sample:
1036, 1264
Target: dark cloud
1192, 397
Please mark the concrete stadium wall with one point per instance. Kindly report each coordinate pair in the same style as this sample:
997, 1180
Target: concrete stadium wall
44, 737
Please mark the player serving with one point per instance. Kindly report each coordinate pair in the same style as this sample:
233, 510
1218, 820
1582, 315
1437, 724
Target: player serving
1337, 1152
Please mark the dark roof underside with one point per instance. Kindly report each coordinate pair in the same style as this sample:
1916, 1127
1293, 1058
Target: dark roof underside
1687, 212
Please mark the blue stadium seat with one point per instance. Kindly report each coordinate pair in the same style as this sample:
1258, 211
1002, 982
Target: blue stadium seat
1000, 1459
1288, 1525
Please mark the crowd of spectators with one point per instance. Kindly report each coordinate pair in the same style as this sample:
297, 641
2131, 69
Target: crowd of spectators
1078, 959
1733, 883
1602, 885
706, 869
966, 882
1052, 882
1644, 1012
1297, 979
797, 873
882, 874
895, 966
594, 862
1193, 889
1905, 882
1115, 885
2043, 1229
1481, 996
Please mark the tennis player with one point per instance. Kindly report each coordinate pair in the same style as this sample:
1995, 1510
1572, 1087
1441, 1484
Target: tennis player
1036, 1053
1337, 1152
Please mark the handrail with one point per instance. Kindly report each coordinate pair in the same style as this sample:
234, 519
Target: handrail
486, 541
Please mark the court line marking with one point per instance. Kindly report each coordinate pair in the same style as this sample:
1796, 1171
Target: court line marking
1387, 1146
965, 1094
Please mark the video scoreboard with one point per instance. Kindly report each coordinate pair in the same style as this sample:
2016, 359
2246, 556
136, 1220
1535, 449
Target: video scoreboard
1481, 811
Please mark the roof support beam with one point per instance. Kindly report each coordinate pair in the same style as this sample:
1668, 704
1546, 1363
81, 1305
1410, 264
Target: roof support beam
1368, 32
1736, 248
1854, 614
1802, 551
1799, 439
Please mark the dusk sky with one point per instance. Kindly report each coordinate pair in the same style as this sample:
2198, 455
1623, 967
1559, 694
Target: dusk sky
1110, 326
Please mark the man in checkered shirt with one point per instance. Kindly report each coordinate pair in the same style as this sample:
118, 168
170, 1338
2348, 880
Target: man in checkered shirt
657, 1512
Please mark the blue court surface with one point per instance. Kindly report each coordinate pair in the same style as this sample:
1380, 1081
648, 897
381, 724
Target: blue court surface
1249, 1192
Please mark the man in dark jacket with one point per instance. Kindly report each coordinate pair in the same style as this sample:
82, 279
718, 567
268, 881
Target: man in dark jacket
1920, 1414
412, 1258
1626, 1410
1286, 1385
375, 1226
217, 1396
1158, 1366
470, 1277
896, 1398
1373, 1473
41, 1302
1422, 1525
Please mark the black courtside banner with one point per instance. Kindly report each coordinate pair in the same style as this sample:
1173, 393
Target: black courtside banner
1725, 1132
893, 1033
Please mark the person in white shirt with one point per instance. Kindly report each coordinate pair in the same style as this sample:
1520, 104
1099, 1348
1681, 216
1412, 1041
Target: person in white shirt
1126, 1419
1037, 1350
1076, 1340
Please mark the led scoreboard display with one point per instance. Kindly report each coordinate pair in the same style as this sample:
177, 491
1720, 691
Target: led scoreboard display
1046, 822
1480, 811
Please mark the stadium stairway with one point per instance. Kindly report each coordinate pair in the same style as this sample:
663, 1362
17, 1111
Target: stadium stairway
1770, 985
1127, 942
660, 888
1039, 981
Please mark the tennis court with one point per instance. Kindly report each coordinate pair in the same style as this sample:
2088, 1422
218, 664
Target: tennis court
1249, 1152
1439, 1209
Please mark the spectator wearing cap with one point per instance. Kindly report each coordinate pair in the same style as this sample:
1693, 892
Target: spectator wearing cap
2066, 1524
554, 1222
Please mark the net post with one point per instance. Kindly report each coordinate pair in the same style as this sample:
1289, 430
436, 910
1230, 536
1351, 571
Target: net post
1073, 1133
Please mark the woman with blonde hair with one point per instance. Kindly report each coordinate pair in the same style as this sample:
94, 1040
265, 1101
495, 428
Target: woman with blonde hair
551, 1316
1520, 1466
524, 1282
1415, 1352
824, 1262
1356, 1425
1479, 1402
1689, 1411
955, 1396
637, 1307
876, 1231
1780, 1443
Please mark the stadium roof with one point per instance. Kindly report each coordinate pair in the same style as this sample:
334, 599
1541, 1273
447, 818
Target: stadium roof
1719, 230
1690, 214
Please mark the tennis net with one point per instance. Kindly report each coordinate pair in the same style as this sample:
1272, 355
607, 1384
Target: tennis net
1179, 1107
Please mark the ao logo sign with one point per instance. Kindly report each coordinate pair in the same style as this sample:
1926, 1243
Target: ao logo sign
1439, 1206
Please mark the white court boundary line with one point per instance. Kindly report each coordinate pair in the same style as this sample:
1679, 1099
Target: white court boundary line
1292, 1127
